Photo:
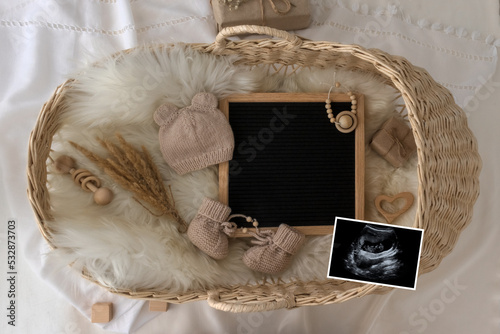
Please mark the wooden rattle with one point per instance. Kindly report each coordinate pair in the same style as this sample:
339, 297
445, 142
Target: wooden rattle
391, 216
84, 178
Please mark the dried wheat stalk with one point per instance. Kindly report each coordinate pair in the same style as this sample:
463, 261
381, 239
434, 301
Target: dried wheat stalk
135, 171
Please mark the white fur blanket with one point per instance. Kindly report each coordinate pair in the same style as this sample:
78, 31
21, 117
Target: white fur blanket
122, 245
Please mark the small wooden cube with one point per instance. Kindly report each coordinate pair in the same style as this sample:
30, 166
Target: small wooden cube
102, 312
158, 306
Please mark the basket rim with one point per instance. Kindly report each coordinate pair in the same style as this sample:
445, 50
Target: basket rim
426, 116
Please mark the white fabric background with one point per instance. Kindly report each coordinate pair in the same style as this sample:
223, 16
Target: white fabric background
43, 42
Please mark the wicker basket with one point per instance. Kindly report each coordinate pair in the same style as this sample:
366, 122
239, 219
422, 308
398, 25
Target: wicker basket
448, 163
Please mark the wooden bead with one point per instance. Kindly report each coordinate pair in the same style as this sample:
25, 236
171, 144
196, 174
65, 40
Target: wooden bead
349, 93
329, 111
249, 219
354, 102
328, 101
353, 97
103, 196
64, 164
337, 84
328, 106
255, 223
345, 122
354, 107
330, 115
353, 111
332, 120
244, 230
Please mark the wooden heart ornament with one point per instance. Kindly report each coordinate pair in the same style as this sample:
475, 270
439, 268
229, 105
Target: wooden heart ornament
391, 216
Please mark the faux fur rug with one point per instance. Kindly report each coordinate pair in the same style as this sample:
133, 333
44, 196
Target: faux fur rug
122, 245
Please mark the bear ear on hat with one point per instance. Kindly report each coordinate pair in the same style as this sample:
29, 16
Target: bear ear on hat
164, 113
205, 99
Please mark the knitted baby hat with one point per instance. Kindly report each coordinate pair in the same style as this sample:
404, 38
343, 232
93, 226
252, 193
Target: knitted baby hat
196, 136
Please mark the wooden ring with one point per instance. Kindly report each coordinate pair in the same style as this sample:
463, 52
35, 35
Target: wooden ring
354, 121
83, 176
79, 174
91, 179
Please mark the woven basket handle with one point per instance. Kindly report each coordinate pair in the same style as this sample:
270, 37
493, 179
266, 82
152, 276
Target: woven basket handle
288, 301
220, 40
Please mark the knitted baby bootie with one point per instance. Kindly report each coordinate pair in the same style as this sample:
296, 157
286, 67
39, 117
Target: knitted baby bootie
274, 251
209, 229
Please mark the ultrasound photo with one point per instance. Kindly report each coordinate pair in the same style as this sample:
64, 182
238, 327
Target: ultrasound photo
375, 253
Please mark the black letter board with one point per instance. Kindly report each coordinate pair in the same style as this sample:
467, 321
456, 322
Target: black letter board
290, 164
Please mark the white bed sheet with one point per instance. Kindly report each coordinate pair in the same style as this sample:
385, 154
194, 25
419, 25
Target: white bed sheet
44, 41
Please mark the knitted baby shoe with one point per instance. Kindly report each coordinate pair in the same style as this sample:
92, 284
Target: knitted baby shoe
273, 252
209, 229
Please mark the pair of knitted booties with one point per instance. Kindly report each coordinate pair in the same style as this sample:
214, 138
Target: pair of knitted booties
272, 253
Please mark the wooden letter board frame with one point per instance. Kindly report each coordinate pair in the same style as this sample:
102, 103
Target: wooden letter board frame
359, 154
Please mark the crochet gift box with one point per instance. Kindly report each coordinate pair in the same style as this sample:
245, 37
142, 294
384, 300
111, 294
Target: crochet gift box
275, 14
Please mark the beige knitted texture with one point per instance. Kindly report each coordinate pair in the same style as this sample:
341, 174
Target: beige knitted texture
205, 230
276, 256
196, 136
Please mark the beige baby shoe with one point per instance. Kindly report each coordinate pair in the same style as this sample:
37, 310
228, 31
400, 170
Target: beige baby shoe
210, 229
274, 251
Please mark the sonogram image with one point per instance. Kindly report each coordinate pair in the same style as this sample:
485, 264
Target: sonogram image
375, 253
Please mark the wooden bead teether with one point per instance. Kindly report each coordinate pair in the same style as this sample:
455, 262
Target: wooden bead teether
346, 121
84, 178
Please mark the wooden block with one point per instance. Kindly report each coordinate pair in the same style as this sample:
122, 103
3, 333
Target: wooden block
102, 312
158, 306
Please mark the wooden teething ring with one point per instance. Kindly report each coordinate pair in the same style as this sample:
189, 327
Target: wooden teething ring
353, 124
85, 179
